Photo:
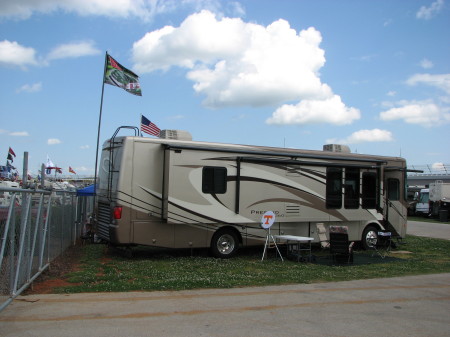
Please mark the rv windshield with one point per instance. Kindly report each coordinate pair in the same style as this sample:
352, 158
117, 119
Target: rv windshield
424, 197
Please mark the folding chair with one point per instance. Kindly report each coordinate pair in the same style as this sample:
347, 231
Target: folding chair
341, 249
322, 234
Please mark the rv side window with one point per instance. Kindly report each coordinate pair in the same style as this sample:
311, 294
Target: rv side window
334, 188
214, 180
351, 188
369, 190
393, 189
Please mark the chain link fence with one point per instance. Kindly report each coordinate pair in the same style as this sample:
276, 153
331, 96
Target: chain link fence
36, 226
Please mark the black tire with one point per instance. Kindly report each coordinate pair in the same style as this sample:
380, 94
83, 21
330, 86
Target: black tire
369, 237
224, 243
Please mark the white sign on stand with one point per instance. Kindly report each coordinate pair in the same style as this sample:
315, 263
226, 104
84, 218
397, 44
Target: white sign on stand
267, 221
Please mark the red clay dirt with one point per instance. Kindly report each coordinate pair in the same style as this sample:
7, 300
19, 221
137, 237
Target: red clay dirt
56, 275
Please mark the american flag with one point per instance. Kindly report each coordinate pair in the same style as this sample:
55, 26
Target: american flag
149, 127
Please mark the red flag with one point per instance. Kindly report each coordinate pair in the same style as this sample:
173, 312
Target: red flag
71, 170
12, 152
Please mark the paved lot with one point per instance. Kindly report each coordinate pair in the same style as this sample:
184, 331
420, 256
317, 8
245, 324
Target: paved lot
404, 306
401, 306
429, 229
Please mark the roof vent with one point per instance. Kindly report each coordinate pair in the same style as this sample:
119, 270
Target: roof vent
175, 134
336, 148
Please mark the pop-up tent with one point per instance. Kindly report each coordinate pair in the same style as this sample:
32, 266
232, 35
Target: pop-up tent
86, 192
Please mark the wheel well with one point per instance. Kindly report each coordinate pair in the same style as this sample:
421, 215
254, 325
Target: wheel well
373, 224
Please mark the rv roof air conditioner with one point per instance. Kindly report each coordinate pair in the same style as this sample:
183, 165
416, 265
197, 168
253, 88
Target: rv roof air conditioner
336, 148
175, 134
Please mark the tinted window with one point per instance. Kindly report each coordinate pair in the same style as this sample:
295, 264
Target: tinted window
393, 189
369, 190
214, 180
351, 188
334, 188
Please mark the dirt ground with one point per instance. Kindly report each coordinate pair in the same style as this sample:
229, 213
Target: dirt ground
56, 275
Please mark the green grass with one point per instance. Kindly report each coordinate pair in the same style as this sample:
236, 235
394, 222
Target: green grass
106, 270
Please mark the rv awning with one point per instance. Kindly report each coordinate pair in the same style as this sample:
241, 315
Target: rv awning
86, 192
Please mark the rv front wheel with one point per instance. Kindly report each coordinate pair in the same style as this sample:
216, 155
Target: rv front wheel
224, 243
369, 237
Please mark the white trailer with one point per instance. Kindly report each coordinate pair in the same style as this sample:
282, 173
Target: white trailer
185, 194
439, 197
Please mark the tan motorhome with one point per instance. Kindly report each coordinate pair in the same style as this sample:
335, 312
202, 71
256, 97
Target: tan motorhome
184, 194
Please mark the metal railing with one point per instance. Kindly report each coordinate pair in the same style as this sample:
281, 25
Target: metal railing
36, 226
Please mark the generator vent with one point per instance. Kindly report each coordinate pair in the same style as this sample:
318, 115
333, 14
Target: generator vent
336, 148
175, 134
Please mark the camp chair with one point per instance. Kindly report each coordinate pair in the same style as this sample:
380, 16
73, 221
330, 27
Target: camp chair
322, 234
341, 249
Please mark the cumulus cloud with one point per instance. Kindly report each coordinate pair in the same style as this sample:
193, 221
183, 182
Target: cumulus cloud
364, 136
13, 54
30, 88
425, 113
234, 63
53, 141
332, 110
438, 166
440, 81
427, 13
73, 50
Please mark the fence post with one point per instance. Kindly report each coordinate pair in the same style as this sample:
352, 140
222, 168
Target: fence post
23, 225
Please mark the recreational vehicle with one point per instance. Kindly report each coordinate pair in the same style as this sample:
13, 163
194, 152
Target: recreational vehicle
184, 194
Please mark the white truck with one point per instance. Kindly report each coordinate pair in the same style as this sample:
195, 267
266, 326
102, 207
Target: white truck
423, 204
439, 198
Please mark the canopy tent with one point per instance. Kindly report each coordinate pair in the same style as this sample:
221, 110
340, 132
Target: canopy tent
86, 192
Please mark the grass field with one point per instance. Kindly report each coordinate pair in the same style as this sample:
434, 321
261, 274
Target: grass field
101, 269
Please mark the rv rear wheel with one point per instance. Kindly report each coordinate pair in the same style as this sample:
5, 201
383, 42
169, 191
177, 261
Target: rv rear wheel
369, 237
224, 243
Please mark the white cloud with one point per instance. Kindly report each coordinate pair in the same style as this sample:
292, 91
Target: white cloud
23, 9
425, 113
331, 110
73, 50
391, 93
19, 134
234, 63
84, 147
440, 81
364, 136
53, 141
30, 88
426, 64
438, 166
427, 13
13, 54
142, 9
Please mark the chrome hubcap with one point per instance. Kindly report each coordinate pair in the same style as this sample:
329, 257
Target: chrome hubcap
371, 238
225, 244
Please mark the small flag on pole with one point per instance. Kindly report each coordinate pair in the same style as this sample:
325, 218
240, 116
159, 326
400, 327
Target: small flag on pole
149, 127
71, 170
11, 152
118, 75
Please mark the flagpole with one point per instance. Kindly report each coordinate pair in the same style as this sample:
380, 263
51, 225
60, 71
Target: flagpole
99, 124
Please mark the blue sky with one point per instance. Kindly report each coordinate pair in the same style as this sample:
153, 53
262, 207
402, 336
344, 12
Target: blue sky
374, 75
